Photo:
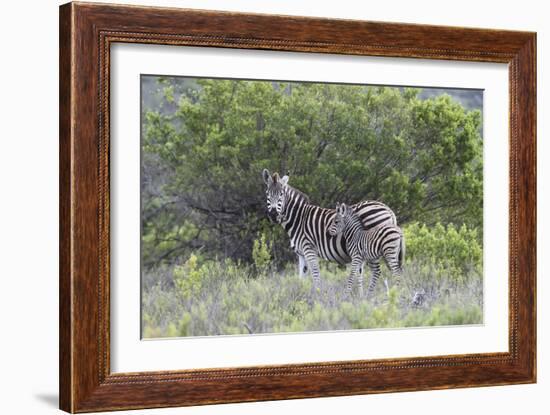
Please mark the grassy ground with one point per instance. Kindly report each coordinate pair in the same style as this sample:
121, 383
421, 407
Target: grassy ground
222, 298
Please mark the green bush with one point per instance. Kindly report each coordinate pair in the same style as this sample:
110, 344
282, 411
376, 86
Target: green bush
261, 254
206, 142
444, 250
188, 277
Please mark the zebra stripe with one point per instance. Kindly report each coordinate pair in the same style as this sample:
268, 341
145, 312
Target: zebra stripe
368, 246
307, 224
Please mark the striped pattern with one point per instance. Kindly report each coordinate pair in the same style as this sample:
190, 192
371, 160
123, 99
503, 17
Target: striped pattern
307, 225
368, 246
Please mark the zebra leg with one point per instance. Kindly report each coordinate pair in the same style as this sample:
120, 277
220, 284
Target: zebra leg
387, 287
396, 272
302, 266
360, 279
392, 260
349, 283
313, 265
375, 274
356, 265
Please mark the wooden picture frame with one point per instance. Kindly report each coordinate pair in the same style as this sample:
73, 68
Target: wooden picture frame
86, 33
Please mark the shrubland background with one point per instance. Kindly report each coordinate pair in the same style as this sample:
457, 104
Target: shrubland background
213, 263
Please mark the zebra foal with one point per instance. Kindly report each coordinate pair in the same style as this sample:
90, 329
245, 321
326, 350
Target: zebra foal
368, 246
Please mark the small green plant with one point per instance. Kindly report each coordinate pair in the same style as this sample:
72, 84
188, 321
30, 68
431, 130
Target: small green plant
261, 253
187, 277
183, 326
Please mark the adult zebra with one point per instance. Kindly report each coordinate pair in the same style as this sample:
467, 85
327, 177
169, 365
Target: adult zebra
307, 224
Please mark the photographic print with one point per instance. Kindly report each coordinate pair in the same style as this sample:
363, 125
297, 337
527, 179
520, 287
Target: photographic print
271, 206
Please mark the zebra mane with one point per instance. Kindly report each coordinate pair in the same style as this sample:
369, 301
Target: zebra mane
300, 193
353, 211
352, 214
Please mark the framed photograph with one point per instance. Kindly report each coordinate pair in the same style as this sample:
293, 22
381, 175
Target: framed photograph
258, 207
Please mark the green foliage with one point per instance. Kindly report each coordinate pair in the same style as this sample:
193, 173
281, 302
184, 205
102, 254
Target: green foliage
261, 255
228, 301
206, 142
444, 250
188, 277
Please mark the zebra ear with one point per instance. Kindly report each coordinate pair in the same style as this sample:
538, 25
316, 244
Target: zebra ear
342, 209
267, 177
284, 180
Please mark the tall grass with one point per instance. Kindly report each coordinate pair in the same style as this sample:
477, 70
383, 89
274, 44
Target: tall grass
224, 298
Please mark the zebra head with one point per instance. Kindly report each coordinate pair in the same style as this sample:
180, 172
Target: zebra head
275, 193
337, 224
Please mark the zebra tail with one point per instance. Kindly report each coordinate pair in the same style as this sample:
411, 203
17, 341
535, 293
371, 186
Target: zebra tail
401, 257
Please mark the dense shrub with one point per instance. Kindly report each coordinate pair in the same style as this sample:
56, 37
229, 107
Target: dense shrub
444, 251
206, 142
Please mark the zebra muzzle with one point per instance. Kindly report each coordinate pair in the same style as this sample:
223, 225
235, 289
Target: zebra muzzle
272, 216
